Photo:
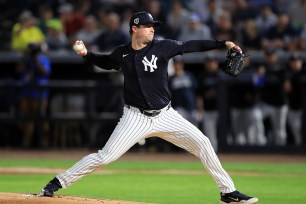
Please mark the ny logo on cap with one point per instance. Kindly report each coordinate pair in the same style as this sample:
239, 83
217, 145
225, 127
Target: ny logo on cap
151, 64
150, 16
136, 21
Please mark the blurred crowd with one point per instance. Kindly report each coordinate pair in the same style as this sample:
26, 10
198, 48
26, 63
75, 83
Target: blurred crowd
265, 103
103, 24
262, 106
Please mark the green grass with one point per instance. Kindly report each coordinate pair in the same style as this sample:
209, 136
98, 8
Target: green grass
275, 184
148, 165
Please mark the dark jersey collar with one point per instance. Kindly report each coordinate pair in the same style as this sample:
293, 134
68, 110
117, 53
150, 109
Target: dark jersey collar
143, 49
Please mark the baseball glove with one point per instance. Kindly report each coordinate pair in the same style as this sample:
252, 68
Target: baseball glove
234, 62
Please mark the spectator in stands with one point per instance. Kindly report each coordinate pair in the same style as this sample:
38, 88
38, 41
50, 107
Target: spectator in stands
178, 16
56, 38
214, 11
245, 119
302, 38
102, 19
208, 99
183, 87
82, 8
295, 91
46, 14
90, 31
261, 3
206, 8
272, 96
112, 36
243, 12
125, 25
283, 35
250, 36
25, 32
283, 5
266, 19
121, 2
34, 69
155, 8
195, 30
72, 22
297, 14
224, 28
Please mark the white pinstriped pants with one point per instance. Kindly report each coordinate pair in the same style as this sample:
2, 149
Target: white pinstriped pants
134, 126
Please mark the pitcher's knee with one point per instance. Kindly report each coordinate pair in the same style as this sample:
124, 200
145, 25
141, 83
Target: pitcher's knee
203, 145
203, 141
101, 158
107, 157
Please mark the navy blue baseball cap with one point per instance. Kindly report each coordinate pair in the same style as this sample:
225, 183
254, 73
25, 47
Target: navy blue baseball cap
143, 18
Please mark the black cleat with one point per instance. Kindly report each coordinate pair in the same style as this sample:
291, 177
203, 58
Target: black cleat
237, 197
50, 188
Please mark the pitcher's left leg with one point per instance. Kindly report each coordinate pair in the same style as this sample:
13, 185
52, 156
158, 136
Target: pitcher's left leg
185, 135
182, 133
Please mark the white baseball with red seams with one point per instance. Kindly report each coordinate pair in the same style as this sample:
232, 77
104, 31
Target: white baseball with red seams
78, 47
134, 127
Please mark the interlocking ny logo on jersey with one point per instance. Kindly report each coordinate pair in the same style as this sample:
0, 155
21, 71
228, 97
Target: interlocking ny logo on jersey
151, 64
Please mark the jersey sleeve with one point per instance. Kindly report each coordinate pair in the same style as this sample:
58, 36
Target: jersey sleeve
172, 48
104, 61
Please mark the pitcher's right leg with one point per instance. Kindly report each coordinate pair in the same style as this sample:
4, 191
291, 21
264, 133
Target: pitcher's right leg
131, 128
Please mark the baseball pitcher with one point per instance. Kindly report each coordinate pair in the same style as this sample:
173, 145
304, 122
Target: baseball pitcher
147, 111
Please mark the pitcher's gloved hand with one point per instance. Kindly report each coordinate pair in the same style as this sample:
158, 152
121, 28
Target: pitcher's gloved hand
234, 62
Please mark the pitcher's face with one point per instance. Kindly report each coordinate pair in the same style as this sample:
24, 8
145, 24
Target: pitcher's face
145, 32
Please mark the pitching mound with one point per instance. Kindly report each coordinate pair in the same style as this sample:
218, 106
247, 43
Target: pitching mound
14, 198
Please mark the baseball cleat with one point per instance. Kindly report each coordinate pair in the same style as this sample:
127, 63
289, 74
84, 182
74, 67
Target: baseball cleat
50, 188
46, 193
236, 197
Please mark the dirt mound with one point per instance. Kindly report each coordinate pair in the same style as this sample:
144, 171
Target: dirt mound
15, 198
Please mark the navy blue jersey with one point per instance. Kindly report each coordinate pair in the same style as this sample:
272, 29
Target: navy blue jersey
145, 70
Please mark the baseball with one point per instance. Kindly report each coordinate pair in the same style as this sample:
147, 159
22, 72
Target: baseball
78, 47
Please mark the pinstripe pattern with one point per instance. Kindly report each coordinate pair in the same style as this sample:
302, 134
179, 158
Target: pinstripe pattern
134, 126
185, 135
